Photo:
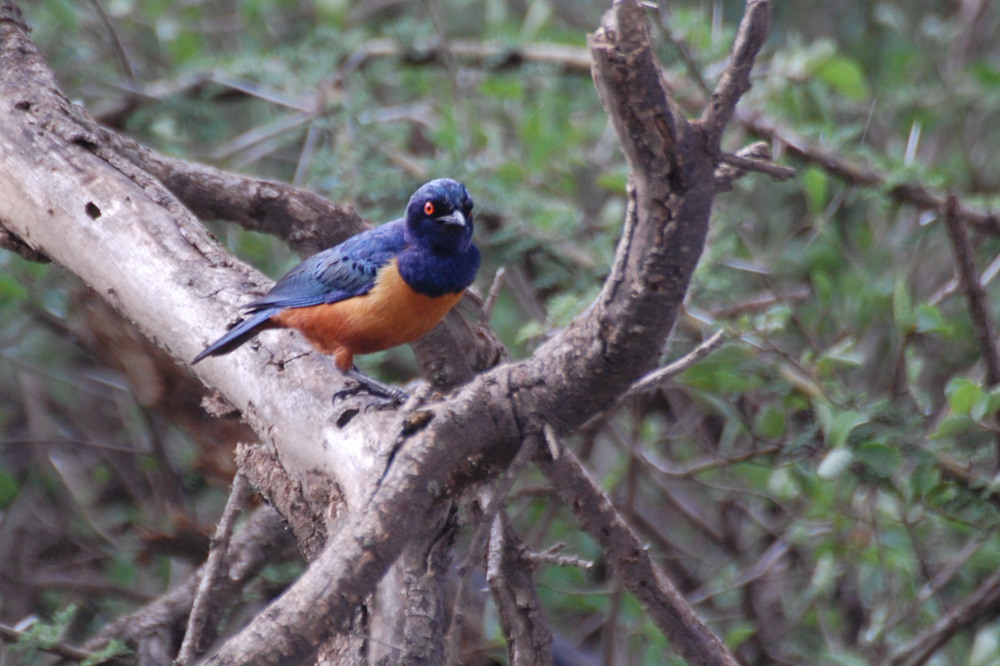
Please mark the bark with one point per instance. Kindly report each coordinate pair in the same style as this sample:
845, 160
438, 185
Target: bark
360, 486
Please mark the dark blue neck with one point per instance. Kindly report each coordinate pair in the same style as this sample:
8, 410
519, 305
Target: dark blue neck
435, 274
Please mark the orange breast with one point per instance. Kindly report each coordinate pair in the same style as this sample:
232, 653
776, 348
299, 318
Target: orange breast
390, 314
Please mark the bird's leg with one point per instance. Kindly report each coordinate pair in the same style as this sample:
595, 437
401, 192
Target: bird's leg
375, 387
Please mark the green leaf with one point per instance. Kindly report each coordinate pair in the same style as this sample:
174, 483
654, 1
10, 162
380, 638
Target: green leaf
502, 87
987, 405
843, 74
902, 308
739, 634
770, 422
962, 395
114, 648
930, 320
841, 426
883, 460
816, 186
958, 424
9, 489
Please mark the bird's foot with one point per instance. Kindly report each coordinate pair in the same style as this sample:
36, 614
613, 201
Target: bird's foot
390, 395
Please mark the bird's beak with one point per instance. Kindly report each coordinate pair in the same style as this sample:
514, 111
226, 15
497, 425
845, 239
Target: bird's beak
456, 218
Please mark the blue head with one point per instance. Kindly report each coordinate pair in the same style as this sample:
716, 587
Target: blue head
439, 216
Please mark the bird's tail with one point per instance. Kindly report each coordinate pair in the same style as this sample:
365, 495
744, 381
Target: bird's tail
238, 334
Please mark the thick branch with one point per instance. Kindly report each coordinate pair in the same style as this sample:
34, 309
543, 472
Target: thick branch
303, 219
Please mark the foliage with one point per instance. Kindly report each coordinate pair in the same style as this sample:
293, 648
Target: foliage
809, 486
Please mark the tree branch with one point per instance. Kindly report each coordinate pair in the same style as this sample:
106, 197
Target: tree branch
735, 81
689, 635
199, 617
979, 308
509, 575
388, 470
919, 651
263, 540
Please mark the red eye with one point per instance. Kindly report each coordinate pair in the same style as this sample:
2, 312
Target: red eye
429, 208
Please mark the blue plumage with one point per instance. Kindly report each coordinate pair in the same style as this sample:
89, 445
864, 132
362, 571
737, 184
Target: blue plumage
432, 246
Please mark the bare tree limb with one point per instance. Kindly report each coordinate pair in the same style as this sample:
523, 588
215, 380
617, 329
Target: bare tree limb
689, 635
508, 573
735, 81
198, 619
979, 308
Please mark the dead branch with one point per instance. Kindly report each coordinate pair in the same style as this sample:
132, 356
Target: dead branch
735, 81
211, 573
913, 194
690, 636
152, 629
979, 308
509, 575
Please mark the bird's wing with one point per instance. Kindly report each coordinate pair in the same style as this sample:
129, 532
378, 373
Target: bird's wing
341, 272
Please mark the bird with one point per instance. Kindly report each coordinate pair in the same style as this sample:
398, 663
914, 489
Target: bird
381, 288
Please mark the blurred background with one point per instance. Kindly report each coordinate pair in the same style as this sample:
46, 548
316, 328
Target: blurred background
822, 488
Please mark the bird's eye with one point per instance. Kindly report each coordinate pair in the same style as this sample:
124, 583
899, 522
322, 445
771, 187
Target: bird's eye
429, 208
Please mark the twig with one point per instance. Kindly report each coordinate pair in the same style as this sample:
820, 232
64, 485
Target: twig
762, 301
668, 372
262, 540
746, 163
213, 568
914, 194
496, 499
491, 297
951, 287
979, 309
120, 53
977, 606
697, 468
693, 70
551, 556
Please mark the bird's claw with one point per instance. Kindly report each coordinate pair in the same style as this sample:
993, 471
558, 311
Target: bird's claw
386, 396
